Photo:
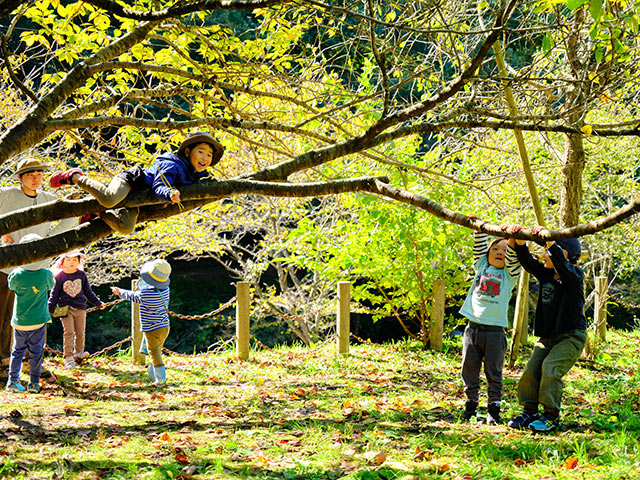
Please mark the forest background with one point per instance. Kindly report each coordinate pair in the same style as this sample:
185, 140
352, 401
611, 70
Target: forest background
358, 138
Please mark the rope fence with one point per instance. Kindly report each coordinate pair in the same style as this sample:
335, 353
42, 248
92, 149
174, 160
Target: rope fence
342, 334
622, 302
242, 337
130, 338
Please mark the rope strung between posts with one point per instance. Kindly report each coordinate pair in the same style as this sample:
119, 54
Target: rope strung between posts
622, 302
262, 345
128, 339
292, 316
96, 354
356, 307
106, 305
204, 315
173, 314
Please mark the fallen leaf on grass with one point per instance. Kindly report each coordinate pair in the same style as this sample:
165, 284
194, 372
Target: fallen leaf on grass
376, 458
69, 410
420, 454
397, 466
570, 463
180, 456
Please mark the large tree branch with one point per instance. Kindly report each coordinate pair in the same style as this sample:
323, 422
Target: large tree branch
152, 209
447, 214
201, 194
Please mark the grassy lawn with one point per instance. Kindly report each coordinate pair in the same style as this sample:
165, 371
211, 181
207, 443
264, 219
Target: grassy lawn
383, 412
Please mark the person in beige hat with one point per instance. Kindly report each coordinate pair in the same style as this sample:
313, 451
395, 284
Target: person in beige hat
170, 170
29, 172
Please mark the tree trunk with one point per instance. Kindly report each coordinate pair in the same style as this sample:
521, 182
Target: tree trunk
573, 157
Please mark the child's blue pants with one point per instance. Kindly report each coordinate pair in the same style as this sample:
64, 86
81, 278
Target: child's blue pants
23, 340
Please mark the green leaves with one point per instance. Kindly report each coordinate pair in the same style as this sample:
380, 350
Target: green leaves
575, 4
595, 9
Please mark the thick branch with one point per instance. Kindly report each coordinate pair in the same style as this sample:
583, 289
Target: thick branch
438, 210
152, 209
21, 253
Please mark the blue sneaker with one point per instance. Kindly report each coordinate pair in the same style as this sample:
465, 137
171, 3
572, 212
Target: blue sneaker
523, 420
545, 424
33, 387
15, 387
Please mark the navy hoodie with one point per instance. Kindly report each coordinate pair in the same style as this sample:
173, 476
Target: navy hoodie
177, 171
560, 307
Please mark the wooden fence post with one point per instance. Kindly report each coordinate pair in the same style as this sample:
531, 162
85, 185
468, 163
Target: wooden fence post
600, 308
242, 320
136, 333
343, 327
437, 315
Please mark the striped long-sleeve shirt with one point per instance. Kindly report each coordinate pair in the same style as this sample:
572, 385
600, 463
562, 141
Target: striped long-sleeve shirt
488, 299
154, 312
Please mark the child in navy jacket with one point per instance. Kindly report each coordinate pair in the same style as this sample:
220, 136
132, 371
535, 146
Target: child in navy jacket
170, 170
559, 323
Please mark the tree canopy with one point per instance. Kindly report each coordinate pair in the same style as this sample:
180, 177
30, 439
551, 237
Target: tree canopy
313, 98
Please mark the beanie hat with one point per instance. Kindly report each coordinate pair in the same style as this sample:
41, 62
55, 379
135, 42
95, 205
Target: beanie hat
572, 247
156, 273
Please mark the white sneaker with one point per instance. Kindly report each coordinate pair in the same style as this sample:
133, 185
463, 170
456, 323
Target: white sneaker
81, 355
69, 363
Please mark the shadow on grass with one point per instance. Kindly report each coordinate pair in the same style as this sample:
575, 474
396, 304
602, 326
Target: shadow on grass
166, 467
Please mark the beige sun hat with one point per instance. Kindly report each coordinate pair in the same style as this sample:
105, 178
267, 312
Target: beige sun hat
30, 164
203, 137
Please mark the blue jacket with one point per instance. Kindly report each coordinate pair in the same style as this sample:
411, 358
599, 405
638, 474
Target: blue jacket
176, 170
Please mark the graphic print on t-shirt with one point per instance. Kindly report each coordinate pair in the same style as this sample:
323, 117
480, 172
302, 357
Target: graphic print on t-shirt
548, 290
72, 288
488, 284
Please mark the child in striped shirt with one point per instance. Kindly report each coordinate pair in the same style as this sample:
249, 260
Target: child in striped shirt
496, 272
153, 298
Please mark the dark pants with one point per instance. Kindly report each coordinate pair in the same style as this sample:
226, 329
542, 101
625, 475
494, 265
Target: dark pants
6, 311
488, 344
541, 382
32, 341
